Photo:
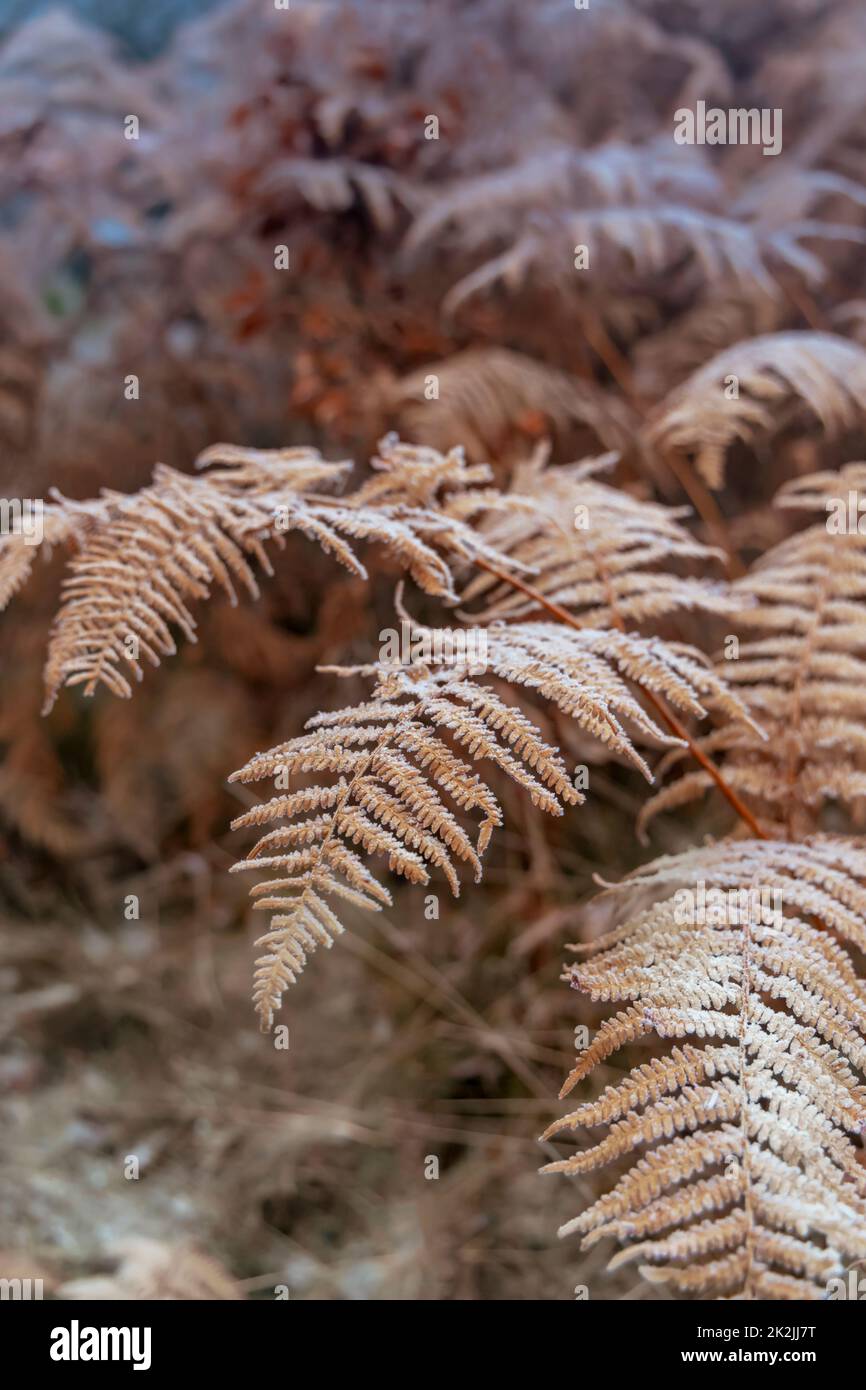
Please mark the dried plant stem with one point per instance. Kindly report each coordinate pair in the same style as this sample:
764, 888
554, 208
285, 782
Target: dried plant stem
805, 305
674, 724
698, 494
706, 507
604, 348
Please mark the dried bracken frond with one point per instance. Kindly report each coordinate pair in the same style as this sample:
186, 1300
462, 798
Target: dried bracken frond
647, 242
746, 1179
800, 666
326, 206
420, 501
484, 393
664, 359
391, 762
335, 186
142, 558
753, 388
609, 558
393, 767
790, 195
56, 523
475, 211
150, 553
831, 493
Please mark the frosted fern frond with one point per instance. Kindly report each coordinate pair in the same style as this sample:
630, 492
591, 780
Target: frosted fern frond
398, 783
390, 773
485, 392
141, 559
777, 376
471, 212
335, 186
149, 554
608, 557
58, 522
648, 241
744, 1176
800, 666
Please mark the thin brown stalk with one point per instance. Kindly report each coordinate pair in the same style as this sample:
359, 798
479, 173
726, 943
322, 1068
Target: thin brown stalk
684, 475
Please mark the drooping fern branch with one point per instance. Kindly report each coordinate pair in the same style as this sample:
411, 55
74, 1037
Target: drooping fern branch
141, 559
393, 758
747, 1178
650, 241
586, 672
751, 389
608, 574
609, 558
482, 392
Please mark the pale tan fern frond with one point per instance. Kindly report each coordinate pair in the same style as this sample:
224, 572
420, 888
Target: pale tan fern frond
791, 195
336, 186
391, 759
753, 388
419, 502
665, 358
823, 492
647, 241
800, 666
608, 557
397, 780
60, 522
484, 392
473, 211
142, 558
745, 1177
151, 553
